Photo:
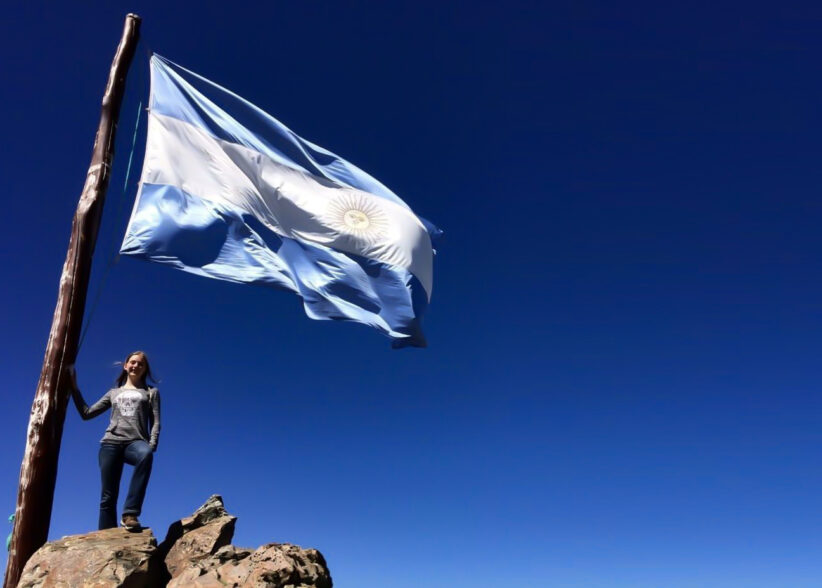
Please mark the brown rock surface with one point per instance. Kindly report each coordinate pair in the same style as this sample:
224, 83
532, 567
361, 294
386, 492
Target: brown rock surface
282, 564
195, 553
198, 536
103, 559
276, 565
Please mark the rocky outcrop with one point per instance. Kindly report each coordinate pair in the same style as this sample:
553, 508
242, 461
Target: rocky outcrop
198, 536
275, 564
113, 557
196, 552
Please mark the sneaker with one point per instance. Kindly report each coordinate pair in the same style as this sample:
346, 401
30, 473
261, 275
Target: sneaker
130, 522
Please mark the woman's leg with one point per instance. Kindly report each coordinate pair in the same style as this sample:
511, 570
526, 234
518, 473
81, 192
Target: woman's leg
111, 469
138, 454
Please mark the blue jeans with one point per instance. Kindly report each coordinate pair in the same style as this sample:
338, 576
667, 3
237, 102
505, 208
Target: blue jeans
112, 457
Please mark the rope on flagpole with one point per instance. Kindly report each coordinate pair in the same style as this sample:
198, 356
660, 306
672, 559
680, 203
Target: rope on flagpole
113, 255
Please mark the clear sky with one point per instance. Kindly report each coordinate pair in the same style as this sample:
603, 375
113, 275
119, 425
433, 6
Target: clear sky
621, 387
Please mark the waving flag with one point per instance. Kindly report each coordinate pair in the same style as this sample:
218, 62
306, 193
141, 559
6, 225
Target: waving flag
229, 192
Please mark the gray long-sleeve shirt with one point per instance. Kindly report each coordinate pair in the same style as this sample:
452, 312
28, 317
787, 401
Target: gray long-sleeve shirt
133, 411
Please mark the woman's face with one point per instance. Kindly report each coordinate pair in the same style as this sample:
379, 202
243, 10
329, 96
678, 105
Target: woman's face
136, 366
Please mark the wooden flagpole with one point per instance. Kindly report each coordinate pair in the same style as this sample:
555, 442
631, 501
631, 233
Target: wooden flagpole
38, 472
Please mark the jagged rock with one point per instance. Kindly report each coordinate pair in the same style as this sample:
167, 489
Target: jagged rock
276, 565
195, 553
198, 536
198, 573
279, 565
213, 508
102, 559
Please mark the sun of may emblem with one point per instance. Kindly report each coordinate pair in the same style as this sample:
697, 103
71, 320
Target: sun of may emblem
357, 215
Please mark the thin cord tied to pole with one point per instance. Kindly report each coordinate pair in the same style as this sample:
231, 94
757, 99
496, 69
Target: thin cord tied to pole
113, 256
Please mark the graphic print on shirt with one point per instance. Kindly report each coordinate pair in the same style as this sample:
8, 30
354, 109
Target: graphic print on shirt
127, 402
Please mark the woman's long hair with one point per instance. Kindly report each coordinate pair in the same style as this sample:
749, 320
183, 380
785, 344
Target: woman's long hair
123, 377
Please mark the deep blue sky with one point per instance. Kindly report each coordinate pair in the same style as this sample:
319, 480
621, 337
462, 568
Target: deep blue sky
621, 387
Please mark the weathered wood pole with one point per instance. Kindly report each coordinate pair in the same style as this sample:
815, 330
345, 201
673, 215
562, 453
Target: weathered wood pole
38, 472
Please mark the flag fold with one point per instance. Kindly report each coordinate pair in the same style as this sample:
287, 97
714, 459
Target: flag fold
229, 192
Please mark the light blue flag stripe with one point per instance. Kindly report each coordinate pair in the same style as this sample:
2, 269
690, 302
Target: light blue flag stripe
220, 218
234, 119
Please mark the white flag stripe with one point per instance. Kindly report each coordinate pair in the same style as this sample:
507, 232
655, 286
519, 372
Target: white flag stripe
291, 203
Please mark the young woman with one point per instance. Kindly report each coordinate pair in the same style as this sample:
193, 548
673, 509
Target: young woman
131, 437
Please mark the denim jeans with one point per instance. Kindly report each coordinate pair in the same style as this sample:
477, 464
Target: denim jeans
112, 457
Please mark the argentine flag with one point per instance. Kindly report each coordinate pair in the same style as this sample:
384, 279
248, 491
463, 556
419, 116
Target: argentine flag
229, 192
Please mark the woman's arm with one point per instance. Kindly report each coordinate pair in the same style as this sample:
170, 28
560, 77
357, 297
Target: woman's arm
155, 418
86, 412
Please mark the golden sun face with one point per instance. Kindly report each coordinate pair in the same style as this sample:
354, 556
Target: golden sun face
357, 215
